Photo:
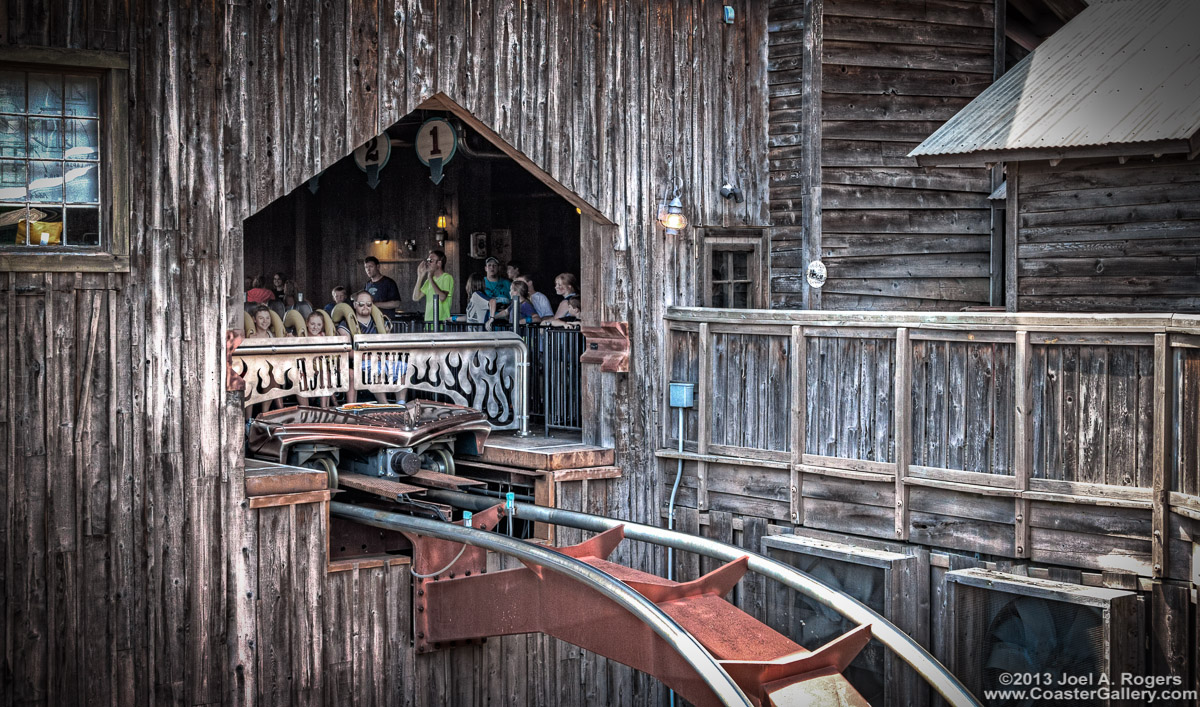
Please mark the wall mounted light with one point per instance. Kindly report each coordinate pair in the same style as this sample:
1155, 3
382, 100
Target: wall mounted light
670, 213
411, 244
441, 233
672, 219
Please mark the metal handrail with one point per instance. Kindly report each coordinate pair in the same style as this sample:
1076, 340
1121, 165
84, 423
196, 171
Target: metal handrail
903, 645
703, 662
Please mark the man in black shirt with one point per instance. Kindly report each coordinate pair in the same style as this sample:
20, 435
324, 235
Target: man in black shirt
382, 288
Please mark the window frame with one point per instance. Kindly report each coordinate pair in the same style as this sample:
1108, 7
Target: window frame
112, 255
744, 240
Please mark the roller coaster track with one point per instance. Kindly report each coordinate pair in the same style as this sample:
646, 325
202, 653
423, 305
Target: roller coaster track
684, 634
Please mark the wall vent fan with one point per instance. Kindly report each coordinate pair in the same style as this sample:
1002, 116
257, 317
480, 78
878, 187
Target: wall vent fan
1004, 623
894, 584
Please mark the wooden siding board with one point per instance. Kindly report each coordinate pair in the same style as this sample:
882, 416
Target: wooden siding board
888, 78
8, 457
274, 592
1145, 419
1109, 232
27, 590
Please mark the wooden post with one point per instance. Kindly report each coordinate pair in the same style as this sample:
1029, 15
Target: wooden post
997, 256
1012, 233
1023, 441
799, 422
811, 121
1162, 454
704, 393
903, 419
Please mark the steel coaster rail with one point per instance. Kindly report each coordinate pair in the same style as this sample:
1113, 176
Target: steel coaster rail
705, 665
911, 652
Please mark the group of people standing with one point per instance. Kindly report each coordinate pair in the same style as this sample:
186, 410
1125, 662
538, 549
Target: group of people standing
490, 298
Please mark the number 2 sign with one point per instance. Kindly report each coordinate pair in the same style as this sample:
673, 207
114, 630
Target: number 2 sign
372, 156
436, 143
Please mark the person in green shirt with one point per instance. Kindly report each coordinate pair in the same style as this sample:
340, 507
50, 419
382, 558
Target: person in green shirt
435, 286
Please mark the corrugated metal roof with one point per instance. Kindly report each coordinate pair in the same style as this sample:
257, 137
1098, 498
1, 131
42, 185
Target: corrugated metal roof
1121, 72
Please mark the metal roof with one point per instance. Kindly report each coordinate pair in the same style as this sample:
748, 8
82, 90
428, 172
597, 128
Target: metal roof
1121, 76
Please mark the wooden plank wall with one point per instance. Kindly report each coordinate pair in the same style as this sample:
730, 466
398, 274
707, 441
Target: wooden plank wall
71, 552
1092, 413
1097, 235
963, 406
991, 438
132, 572
892, 235
850, 397
749, 407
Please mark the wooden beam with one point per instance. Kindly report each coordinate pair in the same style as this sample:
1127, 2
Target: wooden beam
703, 403
1065, 10
1023, 440
799, 422
89, 58
1020, 32
814, 13
1012, 234
779, 322
996, 172
1162, 455
290, 499
903, 416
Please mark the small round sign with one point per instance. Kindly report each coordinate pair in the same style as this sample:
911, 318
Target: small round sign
815, 274
436, 139
374, 152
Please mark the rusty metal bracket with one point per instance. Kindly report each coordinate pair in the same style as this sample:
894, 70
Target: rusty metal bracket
233, 380
607, 345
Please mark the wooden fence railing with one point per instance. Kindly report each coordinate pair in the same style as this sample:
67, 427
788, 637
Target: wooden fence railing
1001, 433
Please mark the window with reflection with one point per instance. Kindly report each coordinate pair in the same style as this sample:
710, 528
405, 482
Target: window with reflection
50, 158
731, 282
733, 268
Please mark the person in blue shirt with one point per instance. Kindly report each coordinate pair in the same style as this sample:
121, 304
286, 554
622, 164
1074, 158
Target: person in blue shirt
383, 289
495, 287
339, 295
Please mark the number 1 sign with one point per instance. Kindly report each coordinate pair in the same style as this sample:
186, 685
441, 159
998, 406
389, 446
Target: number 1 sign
436, 143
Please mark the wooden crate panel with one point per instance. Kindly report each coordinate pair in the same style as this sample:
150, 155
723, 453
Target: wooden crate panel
751, 391
963, 397
1093, 414
851, 398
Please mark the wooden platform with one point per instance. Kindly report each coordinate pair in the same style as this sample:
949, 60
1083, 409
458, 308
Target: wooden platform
264, 478
565, 450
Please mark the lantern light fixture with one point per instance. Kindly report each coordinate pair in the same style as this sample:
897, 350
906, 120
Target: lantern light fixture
670, 213
442, 222
673, 220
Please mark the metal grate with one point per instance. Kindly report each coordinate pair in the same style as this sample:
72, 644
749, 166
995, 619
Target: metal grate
999, 632
385, 488
812, 624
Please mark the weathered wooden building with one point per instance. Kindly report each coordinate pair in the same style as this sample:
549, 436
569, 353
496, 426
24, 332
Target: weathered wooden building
901, 454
